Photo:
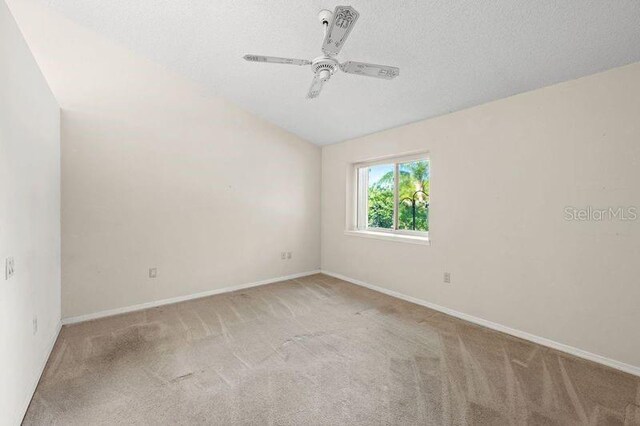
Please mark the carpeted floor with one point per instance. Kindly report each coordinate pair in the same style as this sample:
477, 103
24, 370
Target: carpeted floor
317, 350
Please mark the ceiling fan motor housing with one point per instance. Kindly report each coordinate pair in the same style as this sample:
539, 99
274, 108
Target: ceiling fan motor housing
324, 67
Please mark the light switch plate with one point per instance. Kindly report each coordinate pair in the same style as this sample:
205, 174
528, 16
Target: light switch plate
9, 268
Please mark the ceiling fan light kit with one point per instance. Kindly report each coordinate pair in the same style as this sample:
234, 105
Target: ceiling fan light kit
337, 27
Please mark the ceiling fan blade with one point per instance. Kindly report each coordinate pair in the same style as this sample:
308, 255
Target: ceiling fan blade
370, 70
276, 60
344, 18
316, 87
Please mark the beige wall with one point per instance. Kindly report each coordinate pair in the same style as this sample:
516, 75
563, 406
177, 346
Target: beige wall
29, 220
156, 173
211, 201
502, 175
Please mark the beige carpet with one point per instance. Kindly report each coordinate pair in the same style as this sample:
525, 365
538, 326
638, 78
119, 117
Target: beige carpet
317, 350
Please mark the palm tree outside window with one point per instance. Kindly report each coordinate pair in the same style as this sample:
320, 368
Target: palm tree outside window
394, 196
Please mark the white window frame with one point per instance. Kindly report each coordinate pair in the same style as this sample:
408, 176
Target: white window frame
357, 224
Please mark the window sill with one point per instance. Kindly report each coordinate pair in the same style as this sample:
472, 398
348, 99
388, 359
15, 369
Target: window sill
400, 238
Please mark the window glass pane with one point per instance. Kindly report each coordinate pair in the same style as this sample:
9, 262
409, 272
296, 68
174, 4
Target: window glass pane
380, 196
413, 198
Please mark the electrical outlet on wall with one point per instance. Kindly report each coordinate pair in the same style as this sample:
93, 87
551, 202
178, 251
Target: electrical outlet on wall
153, 272
288, 255
283, 255
447, 277
9, 268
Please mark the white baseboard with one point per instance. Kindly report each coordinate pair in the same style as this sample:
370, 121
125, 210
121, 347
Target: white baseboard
124, 310
50, 346
627, 368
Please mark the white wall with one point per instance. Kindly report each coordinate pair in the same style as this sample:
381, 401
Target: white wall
502, 175
156, 173
29, 220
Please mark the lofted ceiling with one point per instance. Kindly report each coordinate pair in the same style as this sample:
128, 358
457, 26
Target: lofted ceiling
452, 54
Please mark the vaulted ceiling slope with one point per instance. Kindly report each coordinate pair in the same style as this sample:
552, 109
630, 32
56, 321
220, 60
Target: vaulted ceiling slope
452, 54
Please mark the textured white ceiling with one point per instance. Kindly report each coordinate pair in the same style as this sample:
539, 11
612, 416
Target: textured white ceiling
452, 54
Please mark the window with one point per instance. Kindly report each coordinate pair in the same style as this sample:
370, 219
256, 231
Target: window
393, 196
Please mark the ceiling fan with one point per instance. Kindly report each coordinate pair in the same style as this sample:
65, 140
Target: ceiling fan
337, 27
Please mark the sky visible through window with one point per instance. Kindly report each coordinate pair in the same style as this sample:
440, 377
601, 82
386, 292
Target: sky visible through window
376, 172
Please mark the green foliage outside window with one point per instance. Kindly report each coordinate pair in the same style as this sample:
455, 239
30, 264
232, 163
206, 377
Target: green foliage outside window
413, 179
380, 207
